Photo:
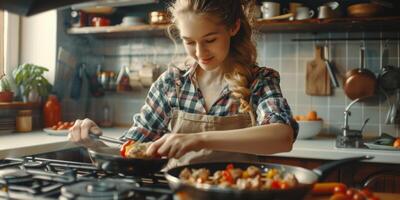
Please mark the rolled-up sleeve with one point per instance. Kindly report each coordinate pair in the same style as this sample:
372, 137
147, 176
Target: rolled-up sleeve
152, 121
271, 106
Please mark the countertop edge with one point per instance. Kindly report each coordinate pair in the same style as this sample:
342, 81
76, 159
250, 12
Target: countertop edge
39, 142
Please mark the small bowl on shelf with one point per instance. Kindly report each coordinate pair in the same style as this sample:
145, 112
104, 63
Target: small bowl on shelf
365, 10
309, 129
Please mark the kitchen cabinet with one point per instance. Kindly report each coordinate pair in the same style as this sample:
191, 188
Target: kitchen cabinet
268, 26
352, 174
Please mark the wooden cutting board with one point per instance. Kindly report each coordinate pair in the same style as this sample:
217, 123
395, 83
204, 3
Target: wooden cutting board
317, 77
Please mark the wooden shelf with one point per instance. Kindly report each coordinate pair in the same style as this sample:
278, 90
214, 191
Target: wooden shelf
121, 31
331, 25
267, 26
19, 105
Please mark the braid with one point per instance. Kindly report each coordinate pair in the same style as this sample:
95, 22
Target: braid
242, 50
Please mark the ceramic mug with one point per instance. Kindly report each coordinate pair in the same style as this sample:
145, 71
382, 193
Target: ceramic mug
270, 9
293, 7
303, 12
325, 12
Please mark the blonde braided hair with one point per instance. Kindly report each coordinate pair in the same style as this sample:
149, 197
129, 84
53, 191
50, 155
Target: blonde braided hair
242, 49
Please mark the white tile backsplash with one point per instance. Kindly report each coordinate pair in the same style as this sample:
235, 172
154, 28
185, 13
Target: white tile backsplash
274, 50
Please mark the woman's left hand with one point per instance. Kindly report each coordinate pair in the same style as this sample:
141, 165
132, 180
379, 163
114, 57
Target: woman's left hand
175, 145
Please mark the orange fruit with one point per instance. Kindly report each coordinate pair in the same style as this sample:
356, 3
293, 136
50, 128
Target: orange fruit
396, 143
297, 117
312, 115
303, 118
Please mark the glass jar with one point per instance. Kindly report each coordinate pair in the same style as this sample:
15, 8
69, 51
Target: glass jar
24, 121
107, 116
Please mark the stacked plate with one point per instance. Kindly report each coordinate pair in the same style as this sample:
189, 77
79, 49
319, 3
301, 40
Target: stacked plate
7, 125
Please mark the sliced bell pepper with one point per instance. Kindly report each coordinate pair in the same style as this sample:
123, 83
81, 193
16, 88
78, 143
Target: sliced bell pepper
228, 177
275, 184
125, 147
229, 166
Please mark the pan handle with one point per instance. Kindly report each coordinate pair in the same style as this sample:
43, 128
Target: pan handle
323, 170
362, 59
105, 138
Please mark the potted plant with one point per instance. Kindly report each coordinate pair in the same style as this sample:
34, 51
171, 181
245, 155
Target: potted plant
6, 94
31, 82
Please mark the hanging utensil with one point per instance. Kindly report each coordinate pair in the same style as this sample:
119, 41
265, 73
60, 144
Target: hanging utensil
360, 82
332, 75
394, 112
317, 78
389, 76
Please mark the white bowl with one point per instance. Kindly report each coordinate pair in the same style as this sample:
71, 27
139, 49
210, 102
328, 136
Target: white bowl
309, 129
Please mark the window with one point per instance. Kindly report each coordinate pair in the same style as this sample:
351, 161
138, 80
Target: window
1, 42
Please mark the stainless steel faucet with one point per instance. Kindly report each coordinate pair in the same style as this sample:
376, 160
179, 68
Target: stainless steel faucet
350, 138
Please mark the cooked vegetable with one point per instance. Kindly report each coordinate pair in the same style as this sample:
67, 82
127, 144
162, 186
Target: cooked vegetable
250, 178
328, 188
125, 146
396, 143
132, 149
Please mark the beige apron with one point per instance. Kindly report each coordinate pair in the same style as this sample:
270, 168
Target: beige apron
183, 122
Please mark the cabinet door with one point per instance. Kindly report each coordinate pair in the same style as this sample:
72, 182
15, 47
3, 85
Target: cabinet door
378, 177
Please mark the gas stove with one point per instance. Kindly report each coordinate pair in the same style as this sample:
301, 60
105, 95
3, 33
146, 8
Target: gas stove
49, 179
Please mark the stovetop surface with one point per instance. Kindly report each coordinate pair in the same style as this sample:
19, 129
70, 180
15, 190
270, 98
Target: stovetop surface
48, 179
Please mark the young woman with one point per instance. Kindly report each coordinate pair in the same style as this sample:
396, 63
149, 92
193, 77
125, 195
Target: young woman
218, 106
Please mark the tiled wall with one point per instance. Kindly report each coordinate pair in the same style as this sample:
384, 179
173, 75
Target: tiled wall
290, 59
275, 50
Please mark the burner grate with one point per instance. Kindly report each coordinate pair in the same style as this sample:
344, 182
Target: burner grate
49, 179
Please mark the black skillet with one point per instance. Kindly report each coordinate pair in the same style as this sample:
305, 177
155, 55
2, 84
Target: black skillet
307, 178
110, 160
389, 76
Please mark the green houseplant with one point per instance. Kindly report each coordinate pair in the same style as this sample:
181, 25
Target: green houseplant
31, 82
6, 94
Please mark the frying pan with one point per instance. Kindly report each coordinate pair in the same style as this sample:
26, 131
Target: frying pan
110, 160
389, 76
307, 178
361, 82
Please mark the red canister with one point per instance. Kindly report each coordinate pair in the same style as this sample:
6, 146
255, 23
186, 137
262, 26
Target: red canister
51, 111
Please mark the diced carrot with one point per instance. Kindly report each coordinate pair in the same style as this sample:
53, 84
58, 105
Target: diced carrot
326, 188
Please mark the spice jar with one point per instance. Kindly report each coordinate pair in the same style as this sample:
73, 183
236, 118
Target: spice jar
24, 121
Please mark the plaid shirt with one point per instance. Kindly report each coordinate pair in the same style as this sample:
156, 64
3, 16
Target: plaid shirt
152, 122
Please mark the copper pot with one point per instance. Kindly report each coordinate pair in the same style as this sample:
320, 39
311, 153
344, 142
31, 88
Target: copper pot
360, 82
159, 17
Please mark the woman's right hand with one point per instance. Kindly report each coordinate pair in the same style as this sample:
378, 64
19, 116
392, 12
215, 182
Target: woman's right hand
79, 133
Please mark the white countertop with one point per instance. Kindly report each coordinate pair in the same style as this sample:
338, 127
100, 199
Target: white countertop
37, 142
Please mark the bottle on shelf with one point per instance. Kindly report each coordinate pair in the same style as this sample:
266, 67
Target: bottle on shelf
106, 120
